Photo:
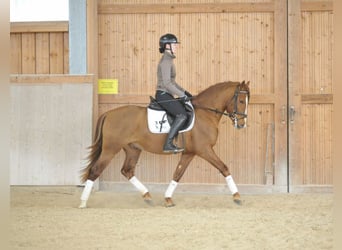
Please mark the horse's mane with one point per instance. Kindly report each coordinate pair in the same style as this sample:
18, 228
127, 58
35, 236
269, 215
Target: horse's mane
213, 90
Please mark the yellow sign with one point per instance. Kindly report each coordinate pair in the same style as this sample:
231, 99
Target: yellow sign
108, 86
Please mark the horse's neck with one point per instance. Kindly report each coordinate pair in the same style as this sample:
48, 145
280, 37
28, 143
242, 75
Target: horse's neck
217, 96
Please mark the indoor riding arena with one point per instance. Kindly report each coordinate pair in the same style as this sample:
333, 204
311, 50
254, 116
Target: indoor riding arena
66, 73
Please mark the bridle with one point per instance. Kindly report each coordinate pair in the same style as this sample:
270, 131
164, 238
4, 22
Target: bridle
234, 114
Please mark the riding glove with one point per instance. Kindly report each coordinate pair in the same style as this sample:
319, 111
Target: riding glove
185, 98
187, 94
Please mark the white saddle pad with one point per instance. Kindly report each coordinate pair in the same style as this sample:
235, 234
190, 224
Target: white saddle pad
158, 123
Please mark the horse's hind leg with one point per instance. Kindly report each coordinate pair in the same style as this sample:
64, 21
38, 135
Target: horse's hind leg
94, 172
128, 169
184, 162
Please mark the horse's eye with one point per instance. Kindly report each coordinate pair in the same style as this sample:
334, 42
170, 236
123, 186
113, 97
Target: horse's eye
242, 101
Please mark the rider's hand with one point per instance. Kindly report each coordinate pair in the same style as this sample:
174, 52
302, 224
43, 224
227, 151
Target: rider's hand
185, 98
188, 94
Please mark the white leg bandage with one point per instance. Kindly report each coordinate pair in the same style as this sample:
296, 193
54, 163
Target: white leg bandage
138, 185
171, 188
87, 190
231, 184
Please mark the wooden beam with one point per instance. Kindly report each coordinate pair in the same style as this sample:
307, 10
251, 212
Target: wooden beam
45, 79
92, 58
144, 99
295, 74
56, 26
263, 99
317, 99
184, 8
280, 77
316, 6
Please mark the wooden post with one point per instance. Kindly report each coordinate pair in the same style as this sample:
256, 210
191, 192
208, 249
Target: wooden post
92, 57
295, 83
280, 77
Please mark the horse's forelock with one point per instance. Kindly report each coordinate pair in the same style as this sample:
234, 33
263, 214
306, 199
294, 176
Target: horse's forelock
244, 86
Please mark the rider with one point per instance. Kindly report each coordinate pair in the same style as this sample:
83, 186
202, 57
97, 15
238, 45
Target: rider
167, 88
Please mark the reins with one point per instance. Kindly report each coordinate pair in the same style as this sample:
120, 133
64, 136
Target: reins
200, 107
233, 114
214, 110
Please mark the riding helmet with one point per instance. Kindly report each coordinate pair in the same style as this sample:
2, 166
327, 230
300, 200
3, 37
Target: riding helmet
166, 39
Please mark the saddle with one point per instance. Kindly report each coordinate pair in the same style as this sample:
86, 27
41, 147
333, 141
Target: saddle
159, 121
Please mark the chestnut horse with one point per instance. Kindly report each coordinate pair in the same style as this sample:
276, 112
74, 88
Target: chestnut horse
126, 128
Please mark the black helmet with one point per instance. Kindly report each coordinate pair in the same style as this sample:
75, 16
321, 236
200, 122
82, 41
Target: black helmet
166, 39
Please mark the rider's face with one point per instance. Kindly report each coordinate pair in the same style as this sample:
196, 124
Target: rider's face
174, 47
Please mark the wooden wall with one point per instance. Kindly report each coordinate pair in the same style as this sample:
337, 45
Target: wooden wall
224, 40
39, 48
219, 42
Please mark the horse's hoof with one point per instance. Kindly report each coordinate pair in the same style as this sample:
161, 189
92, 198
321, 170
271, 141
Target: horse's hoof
147, 196
236, 198
83, 204
148, 199
169, 202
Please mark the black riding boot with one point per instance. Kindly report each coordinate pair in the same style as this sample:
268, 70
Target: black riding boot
175, 127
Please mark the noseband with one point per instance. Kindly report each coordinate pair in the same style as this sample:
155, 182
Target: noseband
234, 114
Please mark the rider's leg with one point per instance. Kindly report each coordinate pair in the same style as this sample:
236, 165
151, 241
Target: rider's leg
175, 108
175, 127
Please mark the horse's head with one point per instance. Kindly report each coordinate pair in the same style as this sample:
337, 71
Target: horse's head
238, 104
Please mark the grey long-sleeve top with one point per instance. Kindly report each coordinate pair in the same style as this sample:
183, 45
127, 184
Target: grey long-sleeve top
167, 74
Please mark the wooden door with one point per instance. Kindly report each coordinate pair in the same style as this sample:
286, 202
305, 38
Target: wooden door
310, 96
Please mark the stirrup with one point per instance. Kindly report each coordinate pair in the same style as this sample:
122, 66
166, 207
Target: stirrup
177, 150
172, 149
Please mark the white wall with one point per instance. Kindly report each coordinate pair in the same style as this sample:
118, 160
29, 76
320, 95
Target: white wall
50, 131
39, 10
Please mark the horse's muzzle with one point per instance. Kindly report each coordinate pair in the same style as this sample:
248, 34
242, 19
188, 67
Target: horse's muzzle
238, 126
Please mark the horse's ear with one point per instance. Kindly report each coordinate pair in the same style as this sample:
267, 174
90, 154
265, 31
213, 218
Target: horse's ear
248, 83
243, 82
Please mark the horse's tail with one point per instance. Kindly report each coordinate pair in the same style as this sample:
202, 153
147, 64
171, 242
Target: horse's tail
95, 148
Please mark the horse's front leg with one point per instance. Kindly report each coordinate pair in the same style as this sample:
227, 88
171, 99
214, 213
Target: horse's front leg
184, 162
211, 157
